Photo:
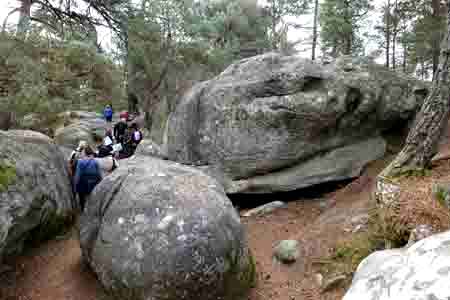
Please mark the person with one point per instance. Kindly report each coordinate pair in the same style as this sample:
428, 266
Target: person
124, 115
106, 147
108, 113
127, 144
136, 136
75, 155
120, 129
87, 176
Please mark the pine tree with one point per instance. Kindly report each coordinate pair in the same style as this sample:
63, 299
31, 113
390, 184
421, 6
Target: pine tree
340, 22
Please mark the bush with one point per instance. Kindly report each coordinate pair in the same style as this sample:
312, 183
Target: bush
48, 76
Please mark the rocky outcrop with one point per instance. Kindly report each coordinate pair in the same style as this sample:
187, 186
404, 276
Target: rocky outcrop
85, 128
35, 191
155, 229
419, 272
149, 148
278, 123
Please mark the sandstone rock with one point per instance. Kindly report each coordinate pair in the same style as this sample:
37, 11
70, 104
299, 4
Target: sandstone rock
89, 130
264, 209
155, 229
149, 148
278, 123
287, 251
420, 272
35, 191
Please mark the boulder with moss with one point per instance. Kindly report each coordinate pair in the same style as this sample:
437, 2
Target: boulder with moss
35, 191
279, 123
156, 229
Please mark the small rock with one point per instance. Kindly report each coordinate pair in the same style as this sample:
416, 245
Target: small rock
323, 204
264, 209
333, 282
318, 278
362, 219
357, 228
287, 251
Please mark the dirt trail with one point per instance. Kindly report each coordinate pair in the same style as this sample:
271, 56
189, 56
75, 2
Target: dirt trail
54, 271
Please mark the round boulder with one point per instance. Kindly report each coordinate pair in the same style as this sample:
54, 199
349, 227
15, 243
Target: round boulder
89, 130
35, 190
156, 229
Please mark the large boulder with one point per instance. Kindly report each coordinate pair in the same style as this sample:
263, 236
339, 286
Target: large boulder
87, 129
420, 272
149, 148
155, 229
35, 190
269, 121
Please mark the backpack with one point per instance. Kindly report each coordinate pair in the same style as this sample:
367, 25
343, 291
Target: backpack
88, 176
137, 136
120, 129
108, 113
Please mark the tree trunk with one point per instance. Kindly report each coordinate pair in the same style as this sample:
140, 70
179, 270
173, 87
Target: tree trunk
421, 143
314, 41
436, 6
394, 35
394, 62
25, 15
388, 31
405, 56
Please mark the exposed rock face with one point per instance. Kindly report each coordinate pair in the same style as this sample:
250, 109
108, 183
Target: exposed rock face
87, 129
155, 229
419, 272
35, 191
278, 123
149, 148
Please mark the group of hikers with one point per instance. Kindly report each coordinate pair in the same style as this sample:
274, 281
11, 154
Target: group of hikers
87, 167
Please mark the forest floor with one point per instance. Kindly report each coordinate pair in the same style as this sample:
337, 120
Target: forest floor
54, 270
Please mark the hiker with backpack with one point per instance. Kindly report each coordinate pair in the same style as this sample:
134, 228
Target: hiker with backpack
87, 176
108, 113
75, 155
120, 130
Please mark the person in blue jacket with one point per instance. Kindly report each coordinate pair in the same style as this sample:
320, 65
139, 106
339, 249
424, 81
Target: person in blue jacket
108, 113
87, 176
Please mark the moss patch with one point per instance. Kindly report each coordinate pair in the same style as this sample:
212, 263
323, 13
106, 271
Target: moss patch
7, 175
348, 255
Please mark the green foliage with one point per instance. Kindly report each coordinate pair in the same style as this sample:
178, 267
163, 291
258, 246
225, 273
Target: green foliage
7, 175
340, 23
348, 255
47, 76
171, 45
384, 232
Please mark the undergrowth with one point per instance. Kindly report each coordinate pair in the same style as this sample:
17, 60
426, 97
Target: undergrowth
7, 175
388, 227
